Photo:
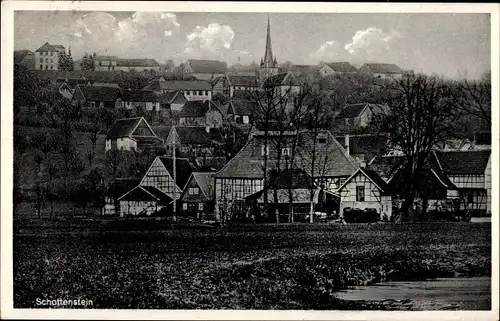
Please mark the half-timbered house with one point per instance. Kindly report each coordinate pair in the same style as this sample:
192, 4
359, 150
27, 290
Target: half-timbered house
322, 157
366, 189
198, 195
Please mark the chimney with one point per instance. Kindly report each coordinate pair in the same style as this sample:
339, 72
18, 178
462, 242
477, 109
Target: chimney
346, 143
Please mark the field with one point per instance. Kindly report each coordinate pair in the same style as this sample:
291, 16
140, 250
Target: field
238, 267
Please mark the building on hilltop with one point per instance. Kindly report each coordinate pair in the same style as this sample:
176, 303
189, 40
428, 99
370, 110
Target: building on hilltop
136, 64
357, 116
47, 56
105, 63
335, 68
382, 71
268, 64
93, 96
204, 69
192, 89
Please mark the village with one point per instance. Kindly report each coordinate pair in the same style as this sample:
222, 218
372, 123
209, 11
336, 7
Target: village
256, 144
185, 157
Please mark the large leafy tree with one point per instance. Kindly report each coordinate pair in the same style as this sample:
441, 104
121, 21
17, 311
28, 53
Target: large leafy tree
66, 62
87, 62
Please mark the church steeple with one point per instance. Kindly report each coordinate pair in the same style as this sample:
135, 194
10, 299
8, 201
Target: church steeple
268, 65
268, 56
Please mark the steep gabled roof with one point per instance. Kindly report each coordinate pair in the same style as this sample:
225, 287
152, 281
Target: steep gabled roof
146, 193
372, 176
207, 66
240, 107
95, 93
47, 47
198, 135
140, 96
197, 108
343, 66
205, 182
183, 169
379, 68
170, 96
120, 186
19, 55
246, 81
355, 110
125, 127
137, 63
463, 163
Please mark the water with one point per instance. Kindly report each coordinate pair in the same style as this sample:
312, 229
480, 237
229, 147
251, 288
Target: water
440, 294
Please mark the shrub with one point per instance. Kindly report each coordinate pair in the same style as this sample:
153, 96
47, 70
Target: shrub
368, 215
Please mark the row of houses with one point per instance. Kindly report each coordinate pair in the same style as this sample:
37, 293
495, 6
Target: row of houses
320, 172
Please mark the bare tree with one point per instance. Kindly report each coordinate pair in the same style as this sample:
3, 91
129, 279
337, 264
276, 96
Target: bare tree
90, 155
52, 171
114, 160
473, 98
422, 114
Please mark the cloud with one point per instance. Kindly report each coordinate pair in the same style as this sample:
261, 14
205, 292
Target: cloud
369, 45
212, 40
329, 51
373, 44
143, 32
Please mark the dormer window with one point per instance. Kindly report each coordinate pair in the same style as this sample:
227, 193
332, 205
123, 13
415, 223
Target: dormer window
285, 151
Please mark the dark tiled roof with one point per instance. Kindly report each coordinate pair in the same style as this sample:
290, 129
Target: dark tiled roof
123, 127
19, 55
137, 63
376, 179
196, 108
47, 47
158, 194
213, 164
139, 96
342, 66
183, 169
247, 81
207, 66
205, 182
241, 106
198, 135
179, 85
469, 162
386, 165
94, 93
354, 110
170, 96
105, 58
242, 94
147, 139
384, 68
120, 186
294, 178
247, 163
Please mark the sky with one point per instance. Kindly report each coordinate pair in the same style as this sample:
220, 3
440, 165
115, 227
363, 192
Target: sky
453, 45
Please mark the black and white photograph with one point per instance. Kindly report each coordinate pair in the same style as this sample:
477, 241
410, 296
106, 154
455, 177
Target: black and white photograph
225, 157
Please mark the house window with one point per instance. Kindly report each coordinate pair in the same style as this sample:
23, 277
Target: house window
285, 151
200, 206
247, 188
41, 67
185, 206
206, 92
200, 92
470, 198
92, 103
322, 140
264, 150
194, 191
360, 193
228, 188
